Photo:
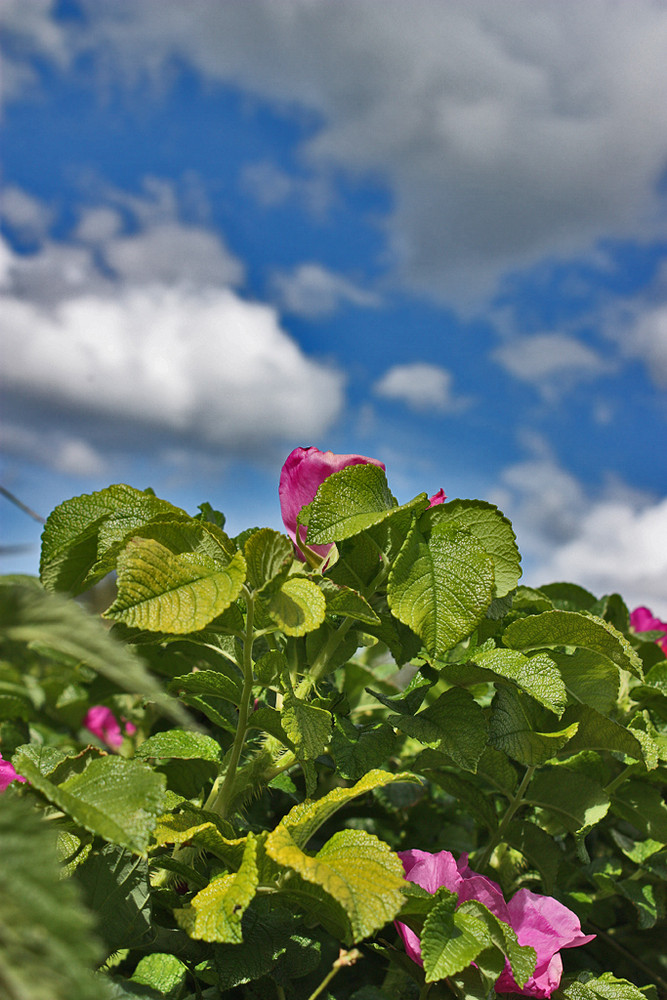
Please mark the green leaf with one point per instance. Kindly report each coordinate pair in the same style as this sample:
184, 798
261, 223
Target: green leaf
82, 536
595, 732
115, 887
569, 596
647, 899
213, 682
117, 799
450, 941
206, 831
576, 801
308, 727
347, 603
492, 530
181, 743
453, 724
350, 501
298, 606
163, 591
538, 848
268, 555
357, 749
537, 675
30, 615
164, 973
360, 872
215, 913
47, 948
522, 958
305, 818
642, 804
514, 730
589, 678
441, 586
605, 987
570, 628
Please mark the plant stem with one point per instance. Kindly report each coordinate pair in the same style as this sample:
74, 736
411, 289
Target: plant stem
344, 959
319, 667
516, 802
222, 799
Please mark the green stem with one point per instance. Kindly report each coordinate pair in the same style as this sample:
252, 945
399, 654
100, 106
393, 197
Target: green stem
516, 802
221, 799
620, 778
319, 667
344, 959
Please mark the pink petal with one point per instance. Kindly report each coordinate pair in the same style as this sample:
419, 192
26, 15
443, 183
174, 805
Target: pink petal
8, 774
101, 722
305, 469
642, 620
437, 498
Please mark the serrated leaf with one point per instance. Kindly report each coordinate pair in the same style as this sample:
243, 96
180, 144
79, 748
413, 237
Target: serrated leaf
181, 743
513, 729
605, 987
492, 530
571, 628
596, 732
347, 603
440, 586
349, 501
205, 830
522, 958
162, 972
298, 606
579, 803
83, 535
161, 591
356, 749
30, 615
589, 678
268, 554
305, 818
215, 913
115, 887
46, 934
450, 941
359, 871
308, 727
453, 724
213, 682
537, 675
116, 799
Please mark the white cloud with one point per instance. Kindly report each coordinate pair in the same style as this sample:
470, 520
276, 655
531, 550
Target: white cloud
271, 186
647, 340
420, 386
615, 541
29, 217
313, 291
550, 360
505, 132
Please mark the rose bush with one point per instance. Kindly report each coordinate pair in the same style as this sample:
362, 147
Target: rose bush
101, 722
8, 774
643, 620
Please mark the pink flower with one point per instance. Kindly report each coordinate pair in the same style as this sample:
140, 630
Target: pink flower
8, 774
101, 722
437, 498
539, 921
642, 620
303, 472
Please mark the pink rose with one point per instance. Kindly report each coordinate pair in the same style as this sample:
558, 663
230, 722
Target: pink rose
539, 921
437, 498
303, 472
8, 774
642, 620
101, 722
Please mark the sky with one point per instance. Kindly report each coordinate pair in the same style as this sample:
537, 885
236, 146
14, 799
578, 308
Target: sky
433, 232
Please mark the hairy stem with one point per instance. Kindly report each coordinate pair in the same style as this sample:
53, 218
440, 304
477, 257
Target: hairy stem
516, 802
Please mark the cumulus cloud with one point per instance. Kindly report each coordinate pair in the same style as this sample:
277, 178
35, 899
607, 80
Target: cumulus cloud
608, 541
27, 216
505, 132
314, 291
647, 340
420, 386
551, 361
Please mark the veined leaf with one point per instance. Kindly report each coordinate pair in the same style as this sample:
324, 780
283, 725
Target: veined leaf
453, 724
305, 818
360, 872
571, 628
308, 727
268, 554
347, 603
577, 802
161, 591
596, 732
513, 730
215, 913
298, 606
162, 972
441, 586
492, 530
115, 887
537, 675
589, 678
182, 744
117, 799
605, 987
213, 682
349, 501
522, 958
450, 941
82, 536
206, 831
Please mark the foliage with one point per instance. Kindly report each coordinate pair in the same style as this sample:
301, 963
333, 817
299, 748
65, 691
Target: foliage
291, 718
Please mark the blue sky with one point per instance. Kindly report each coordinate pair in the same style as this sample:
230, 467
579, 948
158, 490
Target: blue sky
430, 232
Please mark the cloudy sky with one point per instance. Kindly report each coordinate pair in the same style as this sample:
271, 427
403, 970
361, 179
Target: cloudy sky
429, 231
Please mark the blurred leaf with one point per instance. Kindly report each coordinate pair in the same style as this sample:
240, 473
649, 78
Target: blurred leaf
115, 887
181, 743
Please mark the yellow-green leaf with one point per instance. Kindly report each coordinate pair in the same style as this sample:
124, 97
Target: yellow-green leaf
215, 913
298, 606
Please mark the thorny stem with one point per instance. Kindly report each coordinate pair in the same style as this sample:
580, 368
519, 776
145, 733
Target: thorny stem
516, 802
222, 799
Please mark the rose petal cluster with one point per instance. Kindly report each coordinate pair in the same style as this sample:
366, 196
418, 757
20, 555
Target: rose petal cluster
304, 471
8, 774
101, 722
539, 921
643, 620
